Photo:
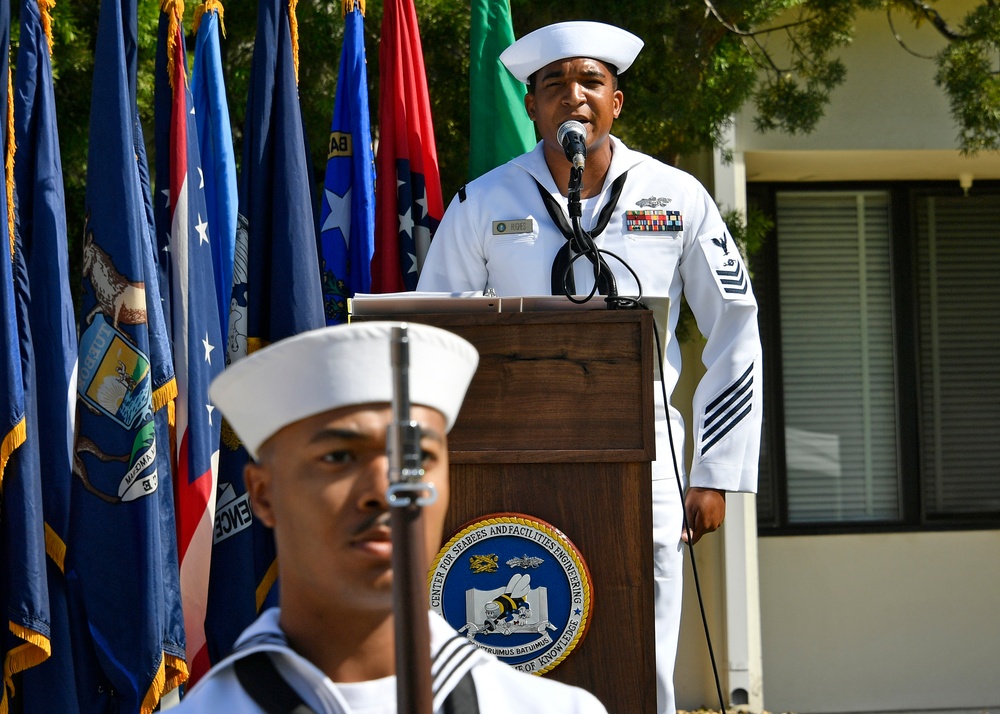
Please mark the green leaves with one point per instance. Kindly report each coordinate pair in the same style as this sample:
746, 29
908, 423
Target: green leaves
969, 71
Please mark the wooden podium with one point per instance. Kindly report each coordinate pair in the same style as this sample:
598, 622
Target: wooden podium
558, 424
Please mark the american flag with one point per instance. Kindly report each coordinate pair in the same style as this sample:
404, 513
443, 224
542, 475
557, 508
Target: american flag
198, 355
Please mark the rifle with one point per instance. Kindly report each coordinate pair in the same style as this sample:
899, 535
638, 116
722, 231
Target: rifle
408, 494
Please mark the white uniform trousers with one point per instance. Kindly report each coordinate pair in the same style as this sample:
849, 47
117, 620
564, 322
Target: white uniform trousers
668, 553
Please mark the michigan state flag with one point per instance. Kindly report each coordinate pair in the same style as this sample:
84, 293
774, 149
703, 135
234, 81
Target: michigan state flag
499, 125
347, 209
276, 293
408, 195
118, 563
42, 246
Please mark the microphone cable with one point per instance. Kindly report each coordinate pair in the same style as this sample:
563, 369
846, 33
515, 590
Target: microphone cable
588, 248
687, 526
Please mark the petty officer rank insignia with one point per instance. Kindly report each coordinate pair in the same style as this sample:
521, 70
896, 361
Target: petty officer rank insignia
517, 587
727, 266
653, 221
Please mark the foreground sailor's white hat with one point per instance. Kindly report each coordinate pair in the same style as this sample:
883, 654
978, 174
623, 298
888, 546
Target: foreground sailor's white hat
340, 366
596, 40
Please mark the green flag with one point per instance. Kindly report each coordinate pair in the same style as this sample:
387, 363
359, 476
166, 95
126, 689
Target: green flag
501, 129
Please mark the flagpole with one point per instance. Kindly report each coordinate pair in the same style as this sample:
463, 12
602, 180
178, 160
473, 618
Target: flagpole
407, 497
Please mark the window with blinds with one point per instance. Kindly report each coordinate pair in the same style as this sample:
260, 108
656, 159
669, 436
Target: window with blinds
957, 271
837, 356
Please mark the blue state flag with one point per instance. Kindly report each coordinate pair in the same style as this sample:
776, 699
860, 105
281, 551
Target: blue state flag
26, 640
347, 209
215, 143
119, 564
23, 581
42, 246
276, 293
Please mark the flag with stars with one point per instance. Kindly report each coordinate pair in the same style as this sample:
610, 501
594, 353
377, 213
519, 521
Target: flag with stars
197, 344
347, 210
276, 293
119, 564
215, 143
408, 203
42, 246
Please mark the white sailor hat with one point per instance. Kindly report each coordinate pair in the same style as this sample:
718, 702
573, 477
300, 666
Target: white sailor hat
340, 366
596, 40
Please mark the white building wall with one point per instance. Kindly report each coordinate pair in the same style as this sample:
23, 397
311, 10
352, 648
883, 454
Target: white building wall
889, 120
861, 623
892, 622
903, 622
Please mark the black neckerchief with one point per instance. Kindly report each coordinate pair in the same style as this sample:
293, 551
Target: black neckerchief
263, 682
562, 274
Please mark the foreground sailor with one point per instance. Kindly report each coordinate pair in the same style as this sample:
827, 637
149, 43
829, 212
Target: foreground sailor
313, 412
501, 233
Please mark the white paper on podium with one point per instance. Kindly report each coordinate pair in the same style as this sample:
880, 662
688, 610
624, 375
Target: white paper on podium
411, 302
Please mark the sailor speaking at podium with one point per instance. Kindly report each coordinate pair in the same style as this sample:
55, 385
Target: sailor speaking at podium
610, 220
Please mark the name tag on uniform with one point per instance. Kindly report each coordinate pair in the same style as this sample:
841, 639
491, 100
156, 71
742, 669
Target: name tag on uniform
516, 225
653, 221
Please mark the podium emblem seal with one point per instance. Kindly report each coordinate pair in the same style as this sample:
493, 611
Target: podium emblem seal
517, 587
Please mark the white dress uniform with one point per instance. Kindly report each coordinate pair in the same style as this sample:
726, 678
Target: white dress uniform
498, 235
500, 689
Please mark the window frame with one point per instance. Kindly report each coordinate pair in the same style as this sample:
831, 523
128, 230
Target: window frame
902, 198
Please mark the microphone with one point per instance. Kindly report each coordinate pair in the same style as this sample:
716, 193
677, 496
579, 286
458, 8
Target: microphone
573, 137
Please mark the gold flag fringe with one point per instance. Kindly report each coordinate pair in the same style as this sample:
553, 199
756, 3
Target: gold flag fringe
155, 691
175, 11
55, 548
9, 161
45, 10
349, 5
209, 6
176, 673
10, 442
35, 650
293, 28
165, 395
266, 582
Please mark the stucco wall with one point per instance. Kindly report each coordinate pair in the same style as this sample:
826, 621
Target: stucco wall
898, 622
889, 100
888, 121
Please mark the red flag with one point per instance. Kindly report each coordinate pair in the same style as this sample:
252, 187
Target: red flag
408, 204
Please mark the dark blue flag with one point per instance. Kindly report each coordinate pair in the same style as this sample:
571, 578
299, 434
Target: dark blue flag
347, 209
26, 640
42, 245
119, 562
276, 293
